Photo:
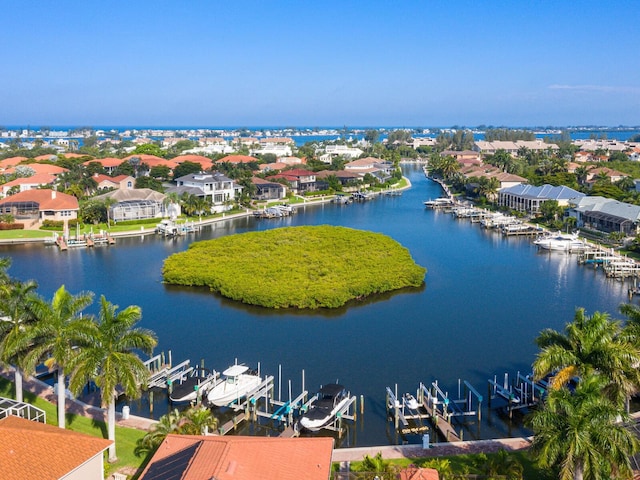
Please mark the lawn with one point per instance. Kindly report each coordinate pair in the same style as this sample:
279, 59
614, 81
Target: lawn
126, 438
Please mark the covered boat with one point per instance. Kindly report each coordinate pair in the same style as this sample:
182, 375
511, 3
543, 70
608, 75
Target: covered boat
237, 383
330, 400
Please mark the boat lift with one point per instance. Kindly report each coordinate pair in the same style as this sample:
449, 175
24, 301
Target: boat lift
522, 392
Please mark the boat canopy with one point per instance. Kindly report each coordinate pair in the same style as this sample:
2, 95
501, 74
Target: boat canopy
235, 370
331, 390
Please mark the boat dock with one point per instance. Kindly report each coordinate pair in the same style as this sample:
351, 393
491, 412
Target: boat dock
87, 240
522, 392
432, 408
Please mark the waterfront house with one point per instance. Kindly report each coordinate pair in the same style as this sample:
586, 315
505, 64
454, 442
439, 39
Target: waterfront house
32, 207
346, 178
32, 450
105, 182
607, 215
506, 179
221, 190
266, 190
300, 180
196, 457
28, 183
134, 204
528, 198
333, 151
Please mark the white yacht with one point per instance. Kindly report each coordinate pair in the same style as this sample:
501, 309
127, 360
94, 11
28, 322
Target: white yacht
237, 383
560, 241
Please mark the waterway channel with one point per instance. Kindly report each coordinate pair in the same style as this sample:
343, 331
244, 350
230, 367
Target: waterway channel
485, 299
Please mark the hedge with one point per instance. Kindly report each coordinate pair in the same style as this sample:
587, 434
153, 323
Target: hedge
300, 267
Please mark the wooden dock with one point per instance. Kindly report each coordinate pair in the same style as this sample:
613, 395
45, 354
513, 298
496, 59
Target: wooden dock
440, 422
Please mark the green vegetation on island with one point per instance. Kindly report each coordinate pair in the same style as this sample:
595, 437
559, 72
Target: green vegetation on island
301, 267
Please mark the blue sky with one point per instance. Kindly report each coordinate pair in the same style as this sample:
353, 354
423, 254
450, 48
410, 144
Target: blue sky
299, 63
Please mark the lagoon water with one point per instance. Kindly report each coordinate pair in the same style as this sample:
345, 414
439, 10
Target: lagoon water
485, 299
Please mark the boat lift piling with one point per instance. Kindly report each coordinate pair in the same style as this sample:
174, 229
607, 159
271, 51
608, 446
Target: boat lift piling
522, 392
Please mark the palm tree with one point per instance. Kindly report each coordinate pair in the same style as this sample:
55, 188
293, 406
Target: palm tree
107, 357
580, 433
590, 344
15, 300
500, 464
58, 328
193, 421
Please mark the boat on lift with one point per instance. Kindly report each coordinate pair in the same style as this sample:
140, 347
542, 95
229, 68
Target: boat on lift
331, 399
197, 383
560, 241
238, 381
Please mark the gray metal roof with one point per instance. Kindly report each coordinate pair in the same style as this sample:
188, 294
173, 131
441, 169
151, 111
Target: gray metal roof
133, 194
546, 192
609, 207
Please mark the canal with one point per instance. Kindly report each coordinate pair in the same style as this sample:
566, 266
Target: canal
485, 299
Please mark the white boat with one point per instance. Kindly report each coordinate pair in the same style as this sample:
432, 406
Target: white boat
410, 402
237, 383
197, 383
168, 228
560, 241
330, 400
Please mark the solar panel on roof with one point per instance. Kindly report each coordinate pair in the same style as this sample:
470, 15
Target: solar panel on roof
172, 467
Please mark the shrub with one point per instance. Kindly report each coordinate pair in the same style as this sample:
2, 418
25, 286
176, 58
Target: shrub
301, 267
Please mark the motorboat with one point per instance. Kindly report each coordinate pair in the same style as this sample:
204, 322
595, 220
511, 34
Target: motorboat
560, 241
167, 228
238, 381
411, 402
330, 399
188, 388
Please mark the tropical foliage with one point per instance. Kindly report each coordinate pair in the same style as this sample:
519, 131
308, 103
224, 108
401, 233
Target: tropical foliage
196, 420
302, 267
580, 433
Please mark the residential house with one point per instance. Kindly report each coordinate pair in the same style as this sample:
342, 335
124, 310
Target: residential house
418, 473
11, 162
464, 157
220, 189
28, 183
380, 169
204, 162
275, 149
32, 450
333, 151
266, 190
37, 168
424, 142
135, 204
490, 148
105, 182
237, 159
150, 161
506, 179
346, 178
528, 198
300, 180
109, 164
613, 175
190, 457
32, 207
607, 215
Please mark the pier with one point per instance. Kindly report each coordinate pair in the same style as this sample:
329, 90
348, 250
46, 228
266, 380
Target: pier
521, 393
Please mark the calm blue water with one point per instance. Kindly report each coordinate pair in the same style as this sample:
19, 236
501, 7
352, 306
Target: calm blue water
486, 298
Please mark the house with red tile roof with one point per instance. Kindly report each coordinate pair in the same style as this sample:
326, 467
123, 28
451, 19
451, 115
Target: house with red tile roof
205, 163
49, 157
106, 182
187, 457
301, 181
36, 451
38, 168
237, 159
109, 163
151, 160
28, 183
417, 473
32, 207
11, 162
613, 175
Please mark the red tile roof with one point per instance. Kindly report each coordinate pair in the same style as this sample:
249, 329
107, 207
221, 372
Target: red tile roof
45, 198
11, 161
106, 162
248, 458
237, 159
46, 156
204, 162
74, 155
153, 161
414, 473
33, 450
41, 168
37, 179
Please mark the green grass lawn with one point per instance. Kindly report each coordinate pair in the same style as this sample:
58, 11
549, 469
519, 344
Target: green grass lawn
126, 438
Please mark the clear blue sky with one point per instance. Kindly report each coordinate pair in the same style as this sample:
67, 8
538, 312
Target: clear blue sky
314, 63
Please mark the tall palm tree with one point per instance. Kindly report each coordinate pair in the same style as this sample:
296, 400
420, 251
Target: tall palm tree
590, 344
580, 433
107, 356
15, 300
59, 327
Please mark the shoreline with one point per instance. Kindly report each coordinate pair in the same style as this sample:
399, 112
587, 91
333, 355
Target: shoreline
152, 230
